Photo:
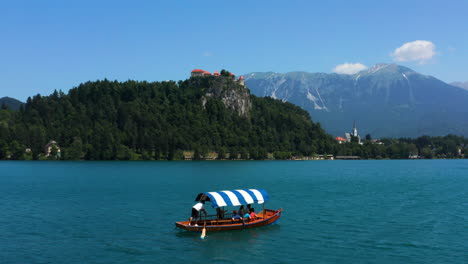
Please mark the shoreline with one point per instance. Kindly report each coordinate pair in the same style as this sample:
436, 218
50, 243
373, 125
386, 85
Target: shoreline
233, 160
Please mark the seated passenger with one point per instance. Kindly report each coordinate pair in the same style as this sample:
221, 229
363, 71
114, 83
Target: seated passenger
236, 216
253, 215
247, 217
241, 210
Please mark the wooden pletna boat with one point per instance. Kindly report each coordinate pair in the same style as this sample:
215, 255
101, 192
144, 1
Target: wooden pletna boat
222, 199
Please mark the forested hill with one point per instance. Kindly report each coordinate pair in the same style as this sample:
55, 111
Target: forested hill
10, 103
110, 120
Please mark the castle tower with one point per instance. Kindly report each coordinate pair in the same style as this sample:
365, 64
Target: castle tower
241, 80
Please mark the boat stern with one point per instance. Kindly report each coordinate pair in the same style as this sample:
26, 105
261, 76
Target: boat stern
185, 225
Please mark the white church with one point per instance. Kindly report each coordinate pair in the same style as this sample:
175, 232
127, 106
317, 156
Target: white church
353, 134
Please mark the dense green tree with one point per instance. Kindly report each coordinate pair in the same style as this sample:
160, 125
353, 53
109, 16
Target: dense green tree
4, 149
16, 150
368, 137
75, 151
224, 73
53, 152
427, 153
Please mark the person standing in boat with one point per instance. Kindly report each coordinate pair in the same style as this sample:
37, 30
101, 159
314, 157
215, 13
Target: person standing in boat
196, 210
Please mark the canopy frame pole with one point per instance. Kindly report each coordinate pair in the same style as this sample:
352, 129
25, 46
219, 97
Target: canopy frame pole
264, 212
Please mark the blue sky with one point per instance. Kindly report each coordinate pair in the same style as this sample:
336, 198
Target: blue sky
47, 45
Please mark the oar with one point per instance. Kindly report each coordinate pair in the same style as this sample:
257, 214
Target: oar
203, 232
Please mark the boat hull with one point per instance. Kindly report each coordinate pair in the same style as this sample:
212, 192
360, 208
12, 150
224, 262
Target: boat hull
266, 217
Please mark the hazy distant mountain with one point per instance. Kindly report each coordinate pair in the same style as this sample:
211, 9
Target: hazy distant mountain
12, 103
386, 100
463, 85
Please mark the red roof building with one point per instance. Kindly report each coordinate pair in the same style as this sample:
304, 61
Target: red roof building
199, 72
340, 139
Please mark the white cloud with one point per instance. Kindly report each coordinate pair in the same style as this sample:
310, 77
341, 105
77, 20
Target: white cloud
349, 68
419, 50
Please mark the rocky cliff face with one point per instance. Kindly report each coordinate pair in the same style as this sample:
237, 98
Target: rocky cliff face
234, 96
387, 100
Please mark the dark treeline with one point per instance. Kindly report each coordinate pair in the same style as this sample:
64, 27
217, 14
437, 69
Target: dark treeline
425, 147
132, 120
107, 120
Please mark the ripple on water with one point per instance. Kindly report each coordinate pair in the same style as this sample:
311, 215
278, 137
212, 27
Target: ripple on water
125, 250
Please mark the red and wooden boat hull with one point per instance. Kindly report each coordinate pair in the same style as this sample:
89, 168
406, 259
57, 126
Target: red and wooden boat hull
266, 217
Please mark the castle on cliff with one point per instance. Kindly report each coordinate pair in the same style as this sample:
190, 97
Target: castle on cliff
203, 73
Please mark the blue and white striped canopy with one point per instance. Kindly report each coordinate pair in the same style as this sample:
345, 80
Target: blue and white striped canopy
234, 198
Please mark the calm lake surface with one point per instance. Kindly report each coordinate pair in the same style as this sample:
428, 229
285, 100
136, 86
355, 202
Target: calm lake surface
334, 212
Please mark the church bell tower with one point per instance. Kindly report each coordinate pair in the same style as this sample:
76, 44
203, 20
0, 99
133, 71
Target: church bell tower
355, 134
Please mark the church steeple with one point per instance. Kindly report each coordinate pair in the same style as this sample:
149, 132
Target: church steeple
355, 134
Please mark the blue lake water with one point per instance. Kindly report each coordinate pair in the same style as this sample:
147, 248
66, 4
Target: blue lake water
334, 212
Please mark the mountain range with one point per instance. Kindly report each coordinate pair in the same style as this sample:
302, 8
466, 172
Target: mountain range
386, 100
